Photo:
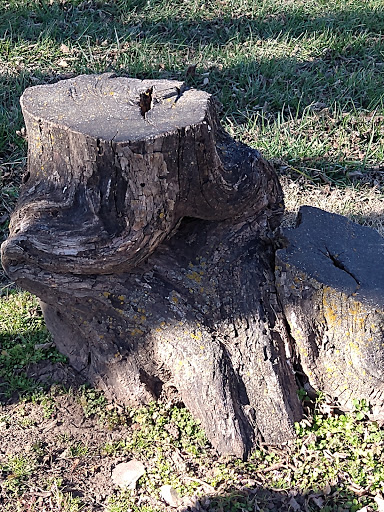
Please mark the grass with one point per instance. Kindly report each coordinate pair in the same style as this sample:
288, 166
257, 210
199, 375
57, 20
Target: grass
302, 81
24, 341
299, 80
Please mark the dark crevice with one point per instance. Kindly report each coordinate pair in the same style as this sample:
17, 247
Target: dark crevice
339, 264
152, 383
26, 177
239, 398
294, 360
146, 101
100, 149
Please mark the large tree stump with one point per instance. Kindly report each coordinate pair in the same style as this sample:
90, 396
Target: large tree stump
145, 230
330, 279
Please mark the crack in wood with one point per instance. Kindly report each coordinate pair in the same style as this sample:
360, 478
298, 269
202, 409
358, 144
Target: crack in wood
339, 264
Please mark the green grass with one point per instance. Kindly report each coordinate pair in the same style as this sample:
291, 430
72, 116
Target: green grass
267, 62
22, 338
16, 471
300, 80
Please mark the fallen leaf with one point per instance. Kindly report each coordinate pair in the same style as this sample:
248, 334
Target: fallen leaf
64, 48
327, 489
44, 346
359, 491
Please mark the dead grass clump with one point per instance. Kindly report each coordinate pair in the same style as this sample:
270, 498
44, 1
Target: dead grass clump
363, 204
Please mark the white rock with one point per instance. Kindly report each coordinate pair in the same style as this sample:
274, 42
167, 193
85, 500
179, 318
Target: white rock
170, 496
380, 502
127, 474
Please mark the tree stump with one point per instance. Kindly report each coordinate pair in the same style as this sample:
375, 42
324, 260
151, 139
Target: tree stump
330, 280
145, 229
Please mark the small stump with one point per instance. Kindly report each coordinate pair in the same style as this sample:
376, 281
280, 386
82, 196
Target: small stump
330, 280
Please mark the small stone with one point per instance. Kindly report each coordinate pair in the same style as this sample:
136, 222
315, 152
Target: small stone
170, 496
379, 502
191, 504
127, 474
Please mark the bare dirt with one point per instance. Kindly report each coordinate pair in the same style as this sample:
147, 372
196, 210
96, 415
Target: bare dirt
65, 444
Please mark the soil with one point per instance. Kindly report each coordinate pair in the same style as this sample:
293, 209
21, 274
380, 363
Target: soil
31, 431
47, 435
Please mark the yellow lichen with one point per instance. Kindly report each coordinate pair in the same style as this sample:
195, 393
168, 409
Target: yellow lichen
330, 308
194, 276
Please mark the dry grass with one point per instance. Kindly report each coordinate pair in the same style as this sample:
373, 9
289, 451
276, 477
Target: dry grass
363, 204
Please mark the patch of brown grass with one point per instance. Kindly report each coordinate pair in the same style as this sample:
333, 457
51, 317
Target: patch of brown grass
363, 204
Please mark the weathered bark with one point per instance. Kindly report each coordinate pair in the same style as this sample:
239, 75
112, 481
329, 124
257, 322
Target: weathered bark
330, 280
145, 232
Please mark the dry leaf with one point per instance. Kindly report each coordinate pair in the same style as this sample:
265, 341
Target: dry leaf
327, 489
65, 49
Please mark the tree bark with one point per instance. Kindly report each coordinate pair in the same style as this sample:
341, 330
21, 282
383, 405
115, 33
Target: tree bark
330, 281
146, 230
